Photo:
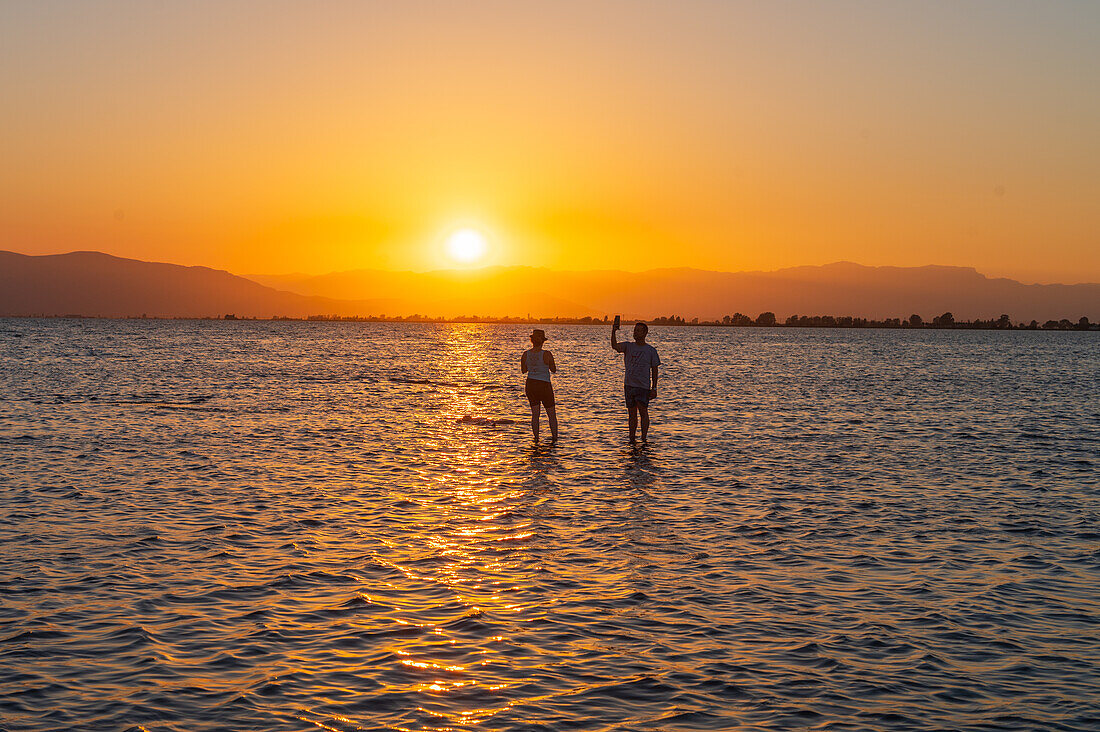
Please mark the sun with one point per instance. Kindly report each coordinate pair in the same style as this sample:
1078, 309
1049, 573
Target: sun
467, 246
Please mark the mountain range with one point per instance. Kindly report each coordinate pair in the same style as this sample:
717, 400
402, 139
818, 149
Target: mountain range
97, 284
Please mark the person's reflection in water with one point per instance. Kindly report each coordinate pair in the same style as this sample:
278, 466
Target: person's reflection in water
640, 473
646, 538
538, 485
541, 460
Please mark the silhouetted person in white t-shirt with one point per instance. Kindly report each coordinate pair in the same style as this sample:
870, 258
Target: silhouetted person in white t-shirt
640, 384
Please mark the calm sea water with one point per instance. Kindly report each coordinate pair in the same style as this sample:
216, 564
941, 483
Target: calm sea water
281, 526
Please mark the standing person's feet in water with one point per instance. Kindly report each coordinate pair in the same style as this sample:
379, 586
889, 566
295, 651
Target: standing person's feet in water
640, 383
538, 364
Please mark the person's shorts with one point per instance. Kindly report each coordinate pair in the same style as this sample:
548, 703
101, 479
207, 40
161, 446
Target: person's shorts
538, 391
636, 395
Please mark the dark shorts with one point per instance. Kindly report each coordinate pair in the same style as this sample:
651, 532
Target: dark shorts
538, 390
636, 395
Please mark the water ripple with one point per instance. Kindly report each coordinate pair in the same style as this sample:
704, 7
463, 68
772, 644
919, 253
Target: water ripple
303, 526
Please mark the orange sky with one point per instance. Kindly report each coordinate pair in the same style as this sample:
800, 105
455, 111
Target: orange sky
277, 137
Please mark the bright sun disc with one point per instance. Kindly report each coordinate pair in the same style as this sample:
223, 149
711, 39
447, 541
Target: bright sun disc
466, 245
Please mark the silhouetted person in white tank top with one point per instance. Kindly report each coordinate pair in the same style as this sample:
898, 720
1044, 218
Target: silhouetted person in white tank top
538, 365
640, 382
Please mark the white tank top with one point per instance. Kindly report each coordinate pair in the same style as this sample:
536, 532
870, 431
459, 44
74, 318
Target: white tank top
536, 367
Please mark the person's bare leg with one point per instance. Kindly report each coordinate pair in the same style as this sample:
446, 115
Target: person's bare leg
633, 422
645, 421
535, 420
552, 417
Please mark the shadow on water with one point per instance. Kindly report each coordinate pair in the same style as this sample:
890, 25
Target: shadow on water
541, 460
640, 473
641, 478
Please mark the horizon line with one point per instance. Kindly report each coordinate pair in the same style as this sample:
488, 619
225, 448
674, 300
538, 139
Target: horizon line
945, 321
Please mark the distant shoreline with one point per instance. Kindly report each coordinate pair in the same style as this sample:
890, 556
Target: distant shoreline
794, 321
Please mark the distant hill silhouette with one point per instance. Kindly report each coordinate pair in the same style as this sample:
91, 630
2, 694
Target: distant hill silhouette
842, 288
95, 284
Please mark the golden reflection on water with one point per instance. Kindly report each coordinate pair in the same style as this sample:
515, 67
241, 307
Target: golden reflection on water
464, 363
468, 523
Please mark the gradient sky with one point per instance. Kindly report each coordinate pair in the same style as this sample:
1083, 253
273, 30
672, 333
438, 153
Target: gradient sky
269, 137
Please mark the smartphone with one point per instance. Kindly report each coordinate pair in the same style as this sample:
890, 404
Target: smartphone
616, 326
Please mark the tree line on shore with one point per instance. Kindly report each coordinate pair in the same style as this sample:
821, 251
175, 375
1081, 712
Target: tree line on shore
765, 320
737, 320
946, 320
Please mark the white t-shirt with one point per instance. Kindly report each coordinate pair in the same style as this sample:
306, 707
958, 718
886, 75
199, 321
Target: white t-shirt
536, 365
639, 360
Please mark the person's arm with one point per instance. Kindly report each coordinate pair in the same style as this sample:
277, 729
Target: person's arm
523, 363
548, 359
614, 341
653, 375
